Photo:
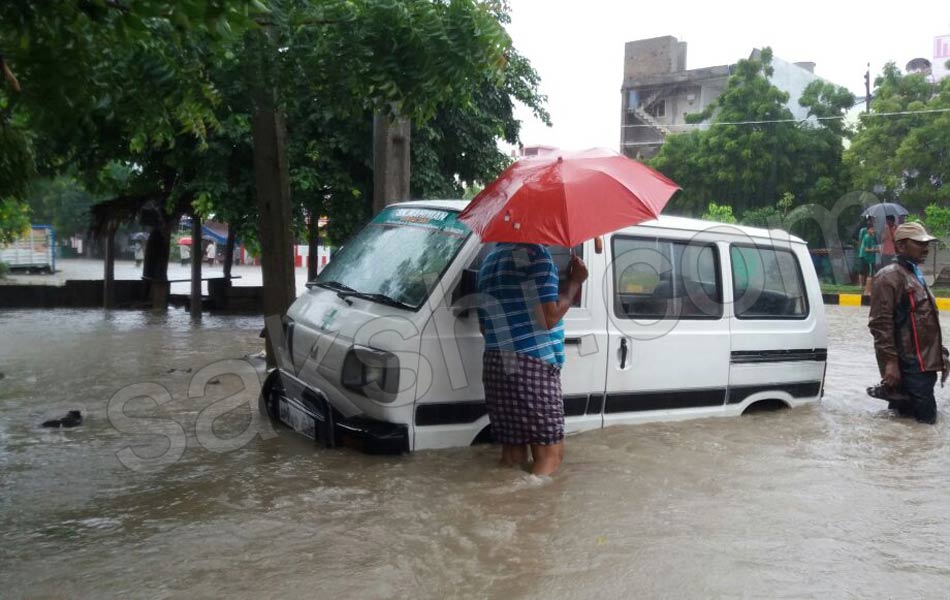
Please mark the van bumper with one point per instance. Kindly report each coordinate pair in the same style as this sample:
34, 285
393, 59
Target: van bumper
308, 411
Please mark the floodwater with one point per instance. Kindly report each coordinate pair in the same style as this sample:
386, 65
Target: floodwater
839, 500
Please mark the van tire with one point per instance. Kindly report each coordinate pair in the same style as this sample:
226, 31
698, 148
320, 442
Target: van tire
268, 399
767, 405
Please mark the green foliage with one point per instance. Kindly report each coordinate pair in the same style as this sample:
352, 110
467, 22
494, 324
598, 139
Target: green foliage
14, 220
765, 217
62, 203
753, 153
157, 98
937, 222
719, 213
904, 153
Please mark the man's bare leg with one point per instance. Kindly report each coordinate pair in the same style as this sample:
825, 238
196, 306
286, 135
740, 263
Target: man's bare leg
547, 458
513, 456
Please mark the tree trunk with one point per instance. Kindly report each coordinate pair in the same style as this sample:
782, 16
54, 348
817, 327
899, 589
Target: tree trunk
274, 213
155, 267
196, 257
108, 278
229, 253
313, 238
391, 171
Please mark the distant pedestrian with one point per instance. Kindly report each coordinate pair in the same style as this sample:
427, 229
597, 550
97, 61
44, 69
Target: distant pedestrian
138, 250
867, 252
524, 351
906, 327
888, 251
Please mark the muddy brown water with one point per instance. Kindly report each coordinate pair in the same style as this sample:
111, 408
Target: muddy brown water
838, 500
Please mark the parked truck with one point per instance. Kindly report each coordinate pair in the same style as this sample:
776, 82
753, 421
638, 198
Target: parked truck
34, 251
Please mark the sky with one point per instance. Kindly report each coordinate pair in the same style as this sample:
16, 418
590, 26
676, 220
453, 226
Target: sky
577, 47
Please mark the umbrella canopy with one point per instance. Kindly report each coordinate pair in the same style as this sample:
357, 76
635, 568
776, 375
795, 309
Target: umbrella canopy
881, 210
139, 236
565, 198
186, 240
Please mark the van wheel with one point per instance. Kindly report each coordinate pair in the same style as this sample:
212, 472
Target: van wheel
267, 402
771, 405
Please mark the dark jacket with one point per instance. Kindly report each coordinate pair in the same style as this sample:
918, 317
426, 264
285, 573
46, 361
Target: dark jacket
904, 320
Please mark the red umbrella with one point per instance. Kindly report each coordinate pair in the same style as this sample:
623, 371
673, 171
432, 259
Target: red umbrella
565, 198
185, 241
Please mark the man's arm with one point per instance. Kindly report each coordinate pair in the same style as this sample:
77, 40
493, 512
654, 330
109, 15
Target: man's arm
884, 300
548, 314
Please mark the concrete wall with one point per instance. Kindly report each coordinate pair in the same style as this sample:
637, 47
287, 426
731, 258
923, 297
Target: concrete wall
793, 79
652, 56
73, 294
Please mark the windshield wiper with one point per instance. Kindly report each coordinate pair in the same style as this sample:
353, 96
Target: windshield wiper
331, 285
383, 299
344, 291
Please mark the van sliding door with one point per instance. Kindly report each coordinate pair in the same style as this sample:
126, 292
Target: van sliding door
668, 338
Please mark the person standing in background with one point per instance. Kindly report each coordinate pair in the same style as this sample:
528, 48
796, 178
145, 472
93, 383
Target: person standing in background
867, 252
888, 251
905, 324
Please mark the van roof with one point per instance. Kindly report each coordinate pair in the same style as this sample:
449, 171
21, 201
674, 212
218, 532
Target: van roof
663, 222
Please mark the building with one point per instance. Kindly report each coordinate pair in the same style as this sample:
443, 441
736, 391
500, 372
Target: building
659, 91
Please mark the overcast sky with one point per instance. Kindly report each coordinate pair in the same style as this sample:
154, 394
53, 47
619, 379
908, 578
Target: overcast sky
577, 48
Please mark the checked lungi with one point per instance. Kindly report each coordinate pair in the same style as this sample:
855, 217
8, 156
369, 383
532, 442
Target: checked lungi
523, 393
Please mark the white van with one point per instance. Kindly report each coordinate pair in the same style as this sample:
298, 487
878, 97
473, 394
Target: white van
679, 319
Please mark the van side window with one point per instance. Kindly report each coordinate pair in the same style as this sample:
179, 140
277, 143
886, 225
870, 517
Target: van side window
560, 254
767, 284
665, 279
562, 258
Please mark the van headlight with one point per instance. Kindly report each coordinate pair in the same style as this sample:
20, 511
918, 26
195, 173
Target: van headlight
372, 373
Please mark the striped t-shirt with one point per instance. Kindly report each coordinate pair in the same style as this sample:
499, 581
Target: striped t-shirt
513, 280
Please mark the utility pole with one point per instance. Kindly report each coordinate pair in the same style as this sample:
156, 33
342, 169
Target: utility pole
867, 89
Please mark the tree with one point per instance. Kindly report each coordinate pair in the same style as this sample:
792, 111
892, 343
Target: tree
61, 202
14, 220
903, 145
753, 151
719, 213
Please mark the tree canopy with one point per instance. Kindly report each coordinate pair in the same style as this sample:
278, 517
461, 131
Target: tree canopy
753, 152
902, 147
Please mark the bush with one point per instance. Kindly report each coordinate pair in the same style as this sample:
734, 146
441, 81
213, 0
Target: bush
4, 269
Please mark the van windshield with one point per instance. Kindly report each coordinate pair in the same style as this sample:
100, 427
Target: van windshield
398, 257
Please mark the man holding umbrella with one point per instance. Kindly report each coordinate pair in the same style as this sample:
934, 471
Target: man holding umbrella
524, 351
559, 199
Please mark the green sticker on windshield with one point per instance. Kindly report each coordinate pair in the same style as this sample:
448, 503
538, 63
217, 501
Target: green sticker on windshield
429, 218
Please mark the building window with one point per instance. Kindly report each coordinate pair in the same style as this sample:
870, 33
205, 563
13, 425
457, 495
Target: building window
633, 99
657, 109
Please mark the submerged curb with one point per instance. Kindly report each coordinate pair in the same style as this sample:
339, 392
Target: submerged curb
859, 300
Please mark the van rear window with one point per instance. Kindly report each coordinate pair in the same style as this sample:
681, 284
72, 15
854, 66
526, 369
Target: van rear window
767, 284
665, 279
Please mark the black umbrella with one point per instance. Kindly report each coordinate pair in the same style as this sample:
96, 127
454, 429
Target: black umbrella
881, 210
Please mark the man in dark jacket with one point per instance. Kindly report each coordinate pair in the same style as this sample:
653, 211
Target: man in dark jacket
906, 327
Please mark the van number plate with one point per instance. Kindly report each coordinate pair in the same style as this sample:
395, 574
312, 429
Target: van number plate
297, 419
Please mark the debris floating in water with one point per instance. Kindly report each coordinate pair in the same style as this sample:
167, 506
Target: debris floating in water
72, 419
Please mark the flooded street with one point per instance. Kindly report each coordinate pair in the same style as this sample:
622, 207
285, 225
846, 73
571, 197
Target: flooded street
838, 500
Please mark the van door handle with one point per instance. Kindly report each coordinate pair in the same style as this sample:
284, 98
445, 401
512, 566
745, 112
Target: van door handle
572, 341
623, 352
